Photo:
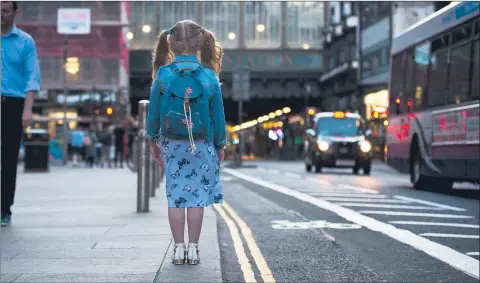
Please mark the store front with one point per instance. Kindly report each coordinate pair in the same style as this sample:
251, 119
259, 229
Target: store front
376, 115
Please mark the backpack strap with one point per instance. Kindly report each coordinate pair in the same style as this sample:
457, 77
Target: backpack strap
194, 73
175, 68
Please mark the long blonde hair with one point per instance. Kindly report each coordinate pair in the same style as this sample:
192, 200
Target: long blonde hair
187, 37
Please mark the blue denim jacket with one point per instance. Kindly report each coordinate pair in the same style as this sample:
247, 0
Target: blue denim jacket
217, 129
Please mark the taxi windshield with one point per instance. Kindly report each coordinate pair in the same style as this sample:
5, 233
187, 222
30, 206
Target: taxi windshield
344, 127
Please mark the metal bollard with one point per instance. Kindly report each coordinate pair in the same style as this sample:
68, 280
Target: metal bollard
161, 173
153, 166
143, 154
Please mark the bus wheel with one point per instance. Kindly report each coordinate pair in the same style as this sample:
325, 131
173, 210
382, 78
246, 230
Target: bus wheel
418, 180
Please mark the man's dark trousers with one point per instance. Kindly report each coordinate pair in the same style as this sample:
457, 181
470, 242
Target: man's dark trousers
12, 128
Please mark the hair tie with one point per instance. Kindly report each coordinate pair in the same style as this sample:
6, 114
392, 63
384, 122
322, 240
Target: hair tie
169, 31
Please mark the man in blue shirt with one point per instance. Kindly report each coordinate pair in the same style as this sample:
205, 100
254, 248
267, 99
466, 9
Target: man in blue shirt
20, 82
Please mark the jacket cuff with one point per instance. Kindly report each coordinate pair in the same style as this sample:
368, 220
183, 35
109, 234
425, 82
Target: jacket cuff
220, 144
152, 137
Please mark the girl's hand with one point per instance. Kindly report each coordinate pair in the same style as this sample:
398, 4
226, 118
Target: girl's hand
221, 155
156, 153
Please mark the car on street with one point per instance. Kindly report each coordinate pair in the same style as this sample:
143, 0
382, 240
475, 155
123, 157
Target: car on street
338, 139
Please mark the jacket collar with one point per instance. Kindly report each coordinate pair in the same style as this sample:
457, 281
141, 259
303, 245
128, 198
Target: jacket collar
187, 58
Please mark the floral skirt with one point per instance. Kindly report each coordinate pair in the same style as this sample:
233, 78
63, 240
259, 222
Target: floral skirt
192, 179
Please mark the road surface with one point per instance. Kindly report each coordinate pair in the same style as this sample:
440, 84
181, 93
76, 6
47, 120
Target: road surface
280, 223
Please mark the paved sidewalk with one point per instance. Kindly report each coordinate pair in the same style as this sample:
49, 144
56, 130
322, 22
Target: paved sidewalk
80, 225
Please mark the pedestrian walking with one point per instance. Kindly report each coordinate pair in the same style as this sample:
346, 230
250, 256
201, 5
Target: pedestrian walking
90, 147
106, 140
186, 104
78, 142
119, 133
20, 82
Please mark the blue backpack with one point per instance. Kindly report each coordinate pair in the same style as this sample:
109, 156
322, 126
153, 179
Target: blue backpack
185, 110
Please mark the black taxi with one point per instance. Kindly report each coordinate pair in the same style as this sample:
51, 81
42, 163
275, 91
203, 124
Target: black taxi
338, 139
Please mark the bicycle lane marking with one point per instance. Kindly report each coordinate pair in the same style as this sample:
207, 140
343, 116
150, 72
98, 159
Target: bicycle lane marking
443, 253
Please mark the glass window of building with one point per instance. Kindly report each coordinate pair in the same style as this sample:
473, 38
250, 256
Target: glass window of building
347, 8
304, 24
147, 22
335, 13
172, 12
30, 11
223, 19
144, 24
263, 24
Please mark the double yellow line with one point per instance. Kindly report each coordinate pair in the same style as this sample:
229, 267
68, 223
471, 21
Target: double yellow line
225, 210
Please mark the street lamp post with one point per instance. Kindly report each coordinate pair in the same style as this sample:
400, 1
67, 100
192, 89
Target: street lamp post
65, 95
70, 21
308, 89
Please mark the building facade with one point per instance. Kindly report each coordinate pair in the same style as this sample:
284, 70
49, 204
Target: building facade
339, 79
280, 43
96, 66
379, 22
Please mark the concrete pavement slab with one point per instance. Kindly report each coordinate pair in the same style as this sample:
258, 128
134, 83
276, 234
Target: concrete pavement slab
80, 225
81, 277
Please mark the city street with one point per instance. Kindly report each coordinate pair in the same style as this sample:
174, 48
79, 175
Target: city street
336, 226
278, 224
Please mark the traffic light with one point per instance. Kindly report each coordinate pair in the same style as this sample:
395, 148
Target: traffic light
409, 104
109, 110
311, 111
397, 105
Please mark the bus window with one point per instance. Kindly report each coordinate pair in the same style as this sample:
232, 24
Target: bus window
459, 73
396, 81
422, 54
409, 78
437, 79
475, 93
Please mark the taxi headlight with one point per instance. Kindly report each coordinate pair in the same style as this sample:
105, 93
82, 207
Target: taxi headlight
323, 145
365, 146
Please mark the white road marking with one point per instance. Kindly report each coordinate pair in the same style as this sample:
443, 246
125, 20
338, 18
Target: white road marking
440, 235
273, 171
323, 182
460, 225
358, 189
430, 203
349, 194
293, 175
317, 224
446, 254
473, 253
377, 200
392, 206
226, 178
402, 213
322, 190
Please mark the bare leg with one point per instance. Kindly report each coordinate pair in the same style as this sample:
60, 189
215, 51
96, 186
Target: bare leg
176, 217
194, 220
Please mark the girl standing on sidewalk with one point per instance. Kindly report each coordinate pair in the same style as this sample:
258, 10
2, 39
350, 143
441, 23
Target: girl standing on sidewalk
186, 64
